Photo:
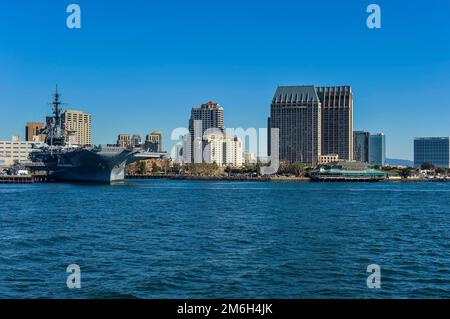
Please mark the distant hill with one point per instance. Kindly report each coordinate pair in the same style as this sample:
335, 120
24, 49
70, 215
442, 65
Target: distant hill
398, 162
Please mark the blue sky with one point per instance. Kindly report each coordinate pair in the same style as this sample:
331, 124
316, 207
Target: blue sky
139, 66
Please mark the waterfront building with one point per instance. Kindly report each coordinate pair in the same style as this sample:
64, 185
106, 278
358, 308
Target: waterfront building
153, 142
336, 120
16, 150
223, 150
123, 140
249, 158
377, 149
296, 113
304, 114
328, 158
361, 146
33, 132
78, 125
206, 117
432, 150
136, 140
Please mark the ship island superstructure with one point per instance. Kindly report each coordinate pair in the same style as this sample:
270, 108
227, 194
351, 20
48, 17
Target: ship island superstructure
64, 161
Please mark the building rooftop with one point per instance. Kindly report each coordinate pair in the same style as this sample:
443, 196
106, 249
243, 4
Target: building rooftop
347, 165
210, 105
305, 93
432, 138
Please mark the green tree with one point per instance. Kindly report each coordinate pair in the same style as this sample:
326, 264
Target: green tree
155, 168
142, 167
176, 168
297, 169
406, 172
427, 166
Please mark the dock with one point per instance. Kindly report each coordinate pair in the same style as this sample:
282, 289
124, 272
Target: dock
13, 179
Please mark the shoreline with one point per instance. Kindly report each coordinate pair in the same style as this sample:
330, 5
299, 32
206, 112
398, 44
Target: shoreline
219, 178
5, 180
271, 179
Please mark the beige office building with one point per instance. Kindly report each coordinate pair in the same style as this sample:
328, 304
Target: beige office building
77, 126
15, 150
153, 142
328, 158
123, 140
32, 132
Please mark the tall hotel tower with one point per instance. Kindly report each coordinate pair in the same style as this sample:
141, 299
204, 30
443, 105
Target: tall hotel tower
296, 112
337, 120
313, 121
207, 116
78, 127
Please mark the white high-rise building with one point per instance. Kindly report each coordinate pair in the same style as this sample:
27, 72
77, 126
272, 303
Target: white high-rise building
218, 149
186, 149
223, 150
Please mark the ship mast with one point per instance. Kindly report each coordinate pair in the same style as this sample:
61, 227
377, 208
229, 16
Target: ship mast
56, 110
54, 129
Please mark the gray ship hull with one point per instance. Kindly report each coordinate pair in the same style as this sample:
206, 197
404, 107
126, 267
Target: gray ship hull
89, 165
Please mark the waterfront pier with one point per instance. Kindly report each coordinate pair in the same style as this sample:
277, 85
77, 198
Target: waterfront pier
13, 179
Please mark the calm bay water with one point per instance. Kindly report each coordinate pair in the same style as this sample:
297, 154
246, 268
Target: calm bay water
194, 239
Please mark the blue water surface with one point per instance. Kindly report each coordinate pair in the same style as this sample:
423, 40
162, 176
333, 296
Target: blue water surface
206, 239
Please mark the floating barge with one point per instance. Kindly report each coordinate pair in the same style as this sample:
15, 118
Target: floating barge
347, 172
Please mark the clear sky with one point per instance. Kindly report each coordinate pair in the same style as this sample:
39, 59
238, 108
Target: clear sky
141, 65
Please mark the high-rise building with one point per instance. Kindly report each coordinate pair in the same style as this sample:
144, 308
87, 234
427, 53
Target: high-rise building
361, 146
153, 142
337, 120
377, 149
136, 140
296, 113
33, 132
223, 150
123, 140
432, 150
206, 117
78, 125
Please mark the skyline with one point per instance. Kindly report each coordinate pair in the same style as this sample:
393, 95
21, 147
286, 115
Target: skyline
130, 85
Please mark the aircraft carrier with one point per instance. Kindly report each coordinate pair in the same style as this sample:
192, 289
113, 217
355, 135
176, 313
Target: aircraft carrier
78, 163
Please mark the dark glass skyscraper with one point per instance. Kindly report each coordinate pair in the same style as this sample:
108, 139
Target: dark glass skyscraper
337, 120
377, 149
305, 113
295, 111
432, 150
361, 146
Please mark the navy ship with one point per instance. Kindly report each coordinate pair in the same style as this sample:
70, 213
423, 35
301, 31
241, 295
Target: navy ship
79, 163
